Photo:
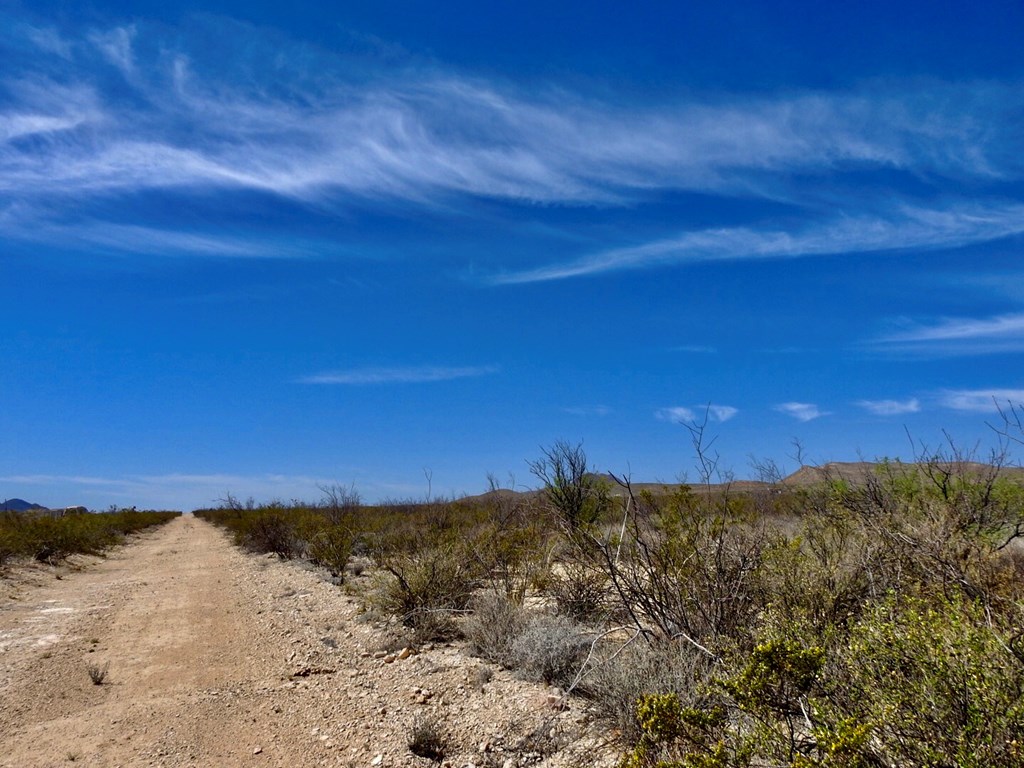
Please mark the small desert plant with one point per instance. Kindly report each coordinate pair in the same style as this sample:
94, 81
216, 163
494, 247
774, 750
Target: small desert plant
550, 649
493, 627
330, 546
8, 546
576, 496
616, 684
426, 589
426, 740
272, 529
98, 672
580, 591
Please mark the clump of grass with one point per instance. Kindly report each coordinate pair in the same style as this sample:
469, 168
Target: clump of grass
493, 627
551, 649
426, 739
98, 672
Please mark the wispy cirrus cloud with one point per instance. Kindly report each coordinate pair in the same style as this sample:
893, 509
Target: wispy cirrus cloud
964, 328
907, 228
588, 410
801, 411
102, 236
116, 47
696, 349
408, 135
421, 135
891, 407
981, 400
682, 414
399, 375
48, 40
958, 335
167, 491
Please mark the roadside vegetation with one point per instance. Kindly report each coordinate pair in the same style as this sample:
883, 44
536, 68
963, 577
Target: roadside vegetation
843, 623
47, 539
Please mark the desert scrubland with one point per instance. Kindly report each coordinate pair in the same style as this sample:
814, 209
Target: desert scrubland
856, 615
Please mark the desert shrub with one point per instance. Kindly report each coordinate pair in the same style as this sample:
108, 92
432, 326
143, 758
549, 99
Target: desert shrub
616, 684
929, 681
426, 739
672, 735
580, 590
511, 554
550, 649
942, 521
330, 546
935, 681
98, 672
492, 627
427, 589
51, 539
8, 545
271, 530
577, 497
688, 568
824, 574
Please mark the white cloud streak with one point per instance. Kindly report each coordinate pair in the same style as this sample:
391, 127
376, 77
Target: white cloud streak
116, 46
981, 400
407, 138
801, 411
409, 375
1008, 326
682, 414
588, 410
910, 228
956, 336
891, 407
169, 491
676, 413
426, 136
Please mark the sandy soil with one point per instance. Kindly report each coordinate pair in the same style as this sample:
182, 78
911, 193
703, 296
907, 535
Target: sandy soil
221, 658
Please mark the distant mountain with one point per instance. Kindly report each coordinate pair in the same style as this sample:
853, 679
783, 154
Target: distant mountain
853, 472
18, 505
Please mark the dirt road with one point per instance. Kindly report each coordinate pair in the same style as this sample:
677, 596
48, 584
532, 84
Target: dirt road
220, 658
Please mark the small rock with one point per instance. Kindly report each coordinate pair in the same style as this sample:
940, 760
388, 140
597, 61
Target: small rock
257, 750
378, 759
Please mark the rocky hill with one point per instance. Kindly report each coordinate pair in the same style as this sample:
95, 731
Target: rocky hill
18, 505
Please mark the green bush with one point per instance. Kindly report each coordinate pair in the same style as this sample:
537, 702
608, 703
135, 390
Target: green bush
330, 546
52, 539
936, 681
426, 590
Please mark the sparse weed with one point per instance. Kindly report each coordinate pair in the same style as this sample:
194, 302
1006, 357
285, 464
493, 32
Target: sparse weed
493, 626
426, 739
550, 649
98, 672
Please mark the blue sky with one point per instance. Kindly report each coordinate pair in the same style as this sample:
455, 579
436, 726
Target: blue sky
257, 248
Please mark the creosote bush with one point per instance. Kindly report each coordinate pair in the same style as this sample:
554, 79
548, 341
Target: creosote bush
50, 540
